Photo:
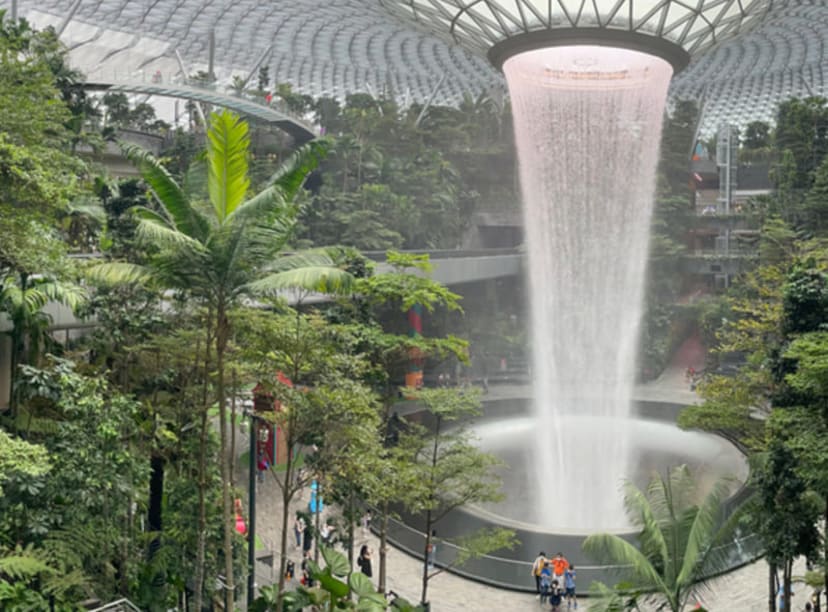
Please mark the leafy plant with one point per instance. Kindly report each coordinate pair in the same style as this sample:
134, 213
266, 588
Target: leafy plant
680, 541
338, 589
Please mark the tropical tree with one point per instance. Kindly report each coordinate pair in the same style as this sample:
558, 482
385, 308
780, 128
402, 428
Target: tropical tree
680, 540
223, 249
757, 135
22, 299
450, 471
785, 516
302, 363
395, 292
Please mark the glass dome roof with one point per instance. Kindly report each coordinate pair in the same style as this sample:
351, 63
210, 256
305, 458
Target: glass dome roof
338, 47
480, 25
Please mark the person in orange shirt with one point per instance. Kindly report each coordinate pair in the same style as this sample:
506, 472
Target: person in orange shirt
559, 566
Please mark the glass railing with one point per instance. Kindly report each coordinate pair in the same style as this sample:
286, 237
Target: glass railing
516, 574
448, 253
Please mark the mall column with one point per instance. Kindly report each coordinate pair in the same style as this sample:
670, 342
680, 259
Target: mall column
414, 374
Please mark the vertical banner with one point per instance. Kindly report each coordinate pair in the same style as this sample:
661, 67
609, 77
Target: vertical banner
414, 374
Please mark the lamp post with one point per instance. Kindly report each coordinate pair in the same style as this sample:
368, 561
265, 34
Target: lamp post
251, 492
251, 528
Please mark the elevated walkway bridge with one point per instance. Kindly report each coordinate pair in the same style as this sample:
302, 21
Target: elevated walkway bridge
273, 112
450, 268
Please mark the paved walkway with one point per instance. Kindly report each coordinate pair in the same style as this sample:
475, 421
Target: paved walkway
743, 590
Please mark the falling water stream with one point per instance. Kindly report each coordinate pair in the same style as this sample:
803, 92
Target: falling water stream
588, 127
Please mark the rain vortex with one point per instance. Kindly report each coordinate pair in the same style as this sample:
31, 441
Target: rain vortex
588, 126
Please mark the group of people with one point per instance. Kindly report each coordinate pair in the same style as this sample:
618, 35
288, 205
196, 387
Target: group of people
304, 540
555, 581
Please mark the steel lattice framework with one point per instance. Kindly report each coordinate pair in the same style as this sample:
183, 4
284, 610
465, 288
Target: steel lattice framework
336, 47
479, 25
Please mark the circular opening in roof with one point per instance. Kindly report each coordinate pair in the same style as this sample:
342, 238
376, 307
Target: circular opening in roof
584, 67
596, 38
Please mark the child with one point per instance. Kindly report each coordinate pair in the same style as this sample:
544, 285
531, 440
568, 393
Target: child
569, 587
555, 596
545, 582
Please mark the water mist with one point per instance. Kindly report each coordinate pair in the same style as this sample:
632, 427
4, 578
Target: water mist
588, 126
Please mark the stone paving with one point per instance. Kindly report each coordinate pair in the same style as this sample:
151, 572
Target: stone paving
743, 590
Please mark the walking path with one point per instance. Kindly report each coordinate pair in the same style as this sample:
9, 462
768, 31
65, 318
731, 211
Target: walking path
743, 590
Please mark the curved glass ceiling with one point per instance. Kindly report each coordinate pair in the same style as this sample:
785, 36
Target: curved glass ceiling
694, 25
335, 47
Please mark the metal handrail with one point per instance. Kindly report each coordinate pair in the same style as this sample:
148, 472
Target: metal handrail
513, 573
118, 604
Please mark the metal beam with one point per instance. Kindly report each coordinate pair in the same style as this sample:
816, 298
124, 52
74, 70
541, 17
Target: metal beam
430, 100
199, 110
807, 85
211, 55
66, 19
258, 63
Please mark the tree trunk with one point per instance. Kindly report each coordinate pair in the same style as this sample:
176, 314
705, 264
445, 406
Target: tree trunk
14, 337
156, 497
316, 520
428, 524
771, 587
222, 332
233, 435
786, 592
825, 555
426, 559
154, 516
383, 551
201, 543
350, 516
287, 495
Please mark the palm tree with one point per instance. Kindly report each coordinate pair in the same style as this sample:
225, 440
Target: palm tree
22, 298
220, 251
681, 541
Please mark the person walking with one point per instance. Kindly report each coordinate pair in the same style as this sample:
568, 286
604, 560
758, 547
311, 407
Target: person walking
298, 529
366, 523
569, 587
537, 568
364, 561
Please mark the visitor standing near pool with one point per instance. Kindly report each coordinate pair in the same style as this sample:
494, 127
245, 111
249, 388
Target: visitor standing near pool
537, 568
569, 587
559, 566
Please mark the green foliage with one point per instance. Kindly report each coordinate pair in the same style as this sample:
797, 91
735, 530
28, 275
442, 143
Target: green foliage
801, 129
815, 205
805, 300
396, 180
74, 517
339, 589
450, 471
785, 517
21, 459
676, 145
680, 540
35, 165
757, 135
